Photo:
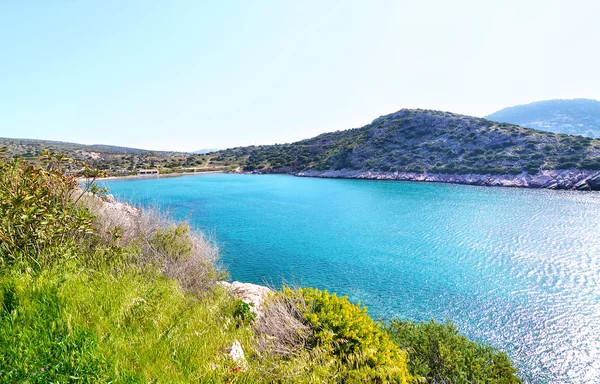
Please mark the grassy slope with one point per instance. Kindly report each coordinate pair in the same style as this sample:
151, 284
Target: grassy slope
423, 140
71, 324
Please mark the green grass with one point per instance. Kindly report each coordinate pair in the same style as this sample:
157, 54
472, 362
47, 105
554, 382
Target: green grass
71, 323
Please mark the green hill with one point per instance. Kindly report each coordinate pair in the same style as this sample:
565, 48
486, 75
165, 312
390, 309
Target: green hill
425, 141
573, 117
19, 146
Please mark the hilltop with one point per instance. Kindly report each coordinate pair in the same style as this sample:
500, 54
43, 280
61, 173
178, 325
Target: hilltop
573, 117
433, 145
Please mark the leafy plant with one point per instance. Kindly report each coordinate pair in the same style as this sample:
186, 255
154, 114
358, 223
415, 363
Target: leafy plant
37, 212
345, 332
439, 353
243, 312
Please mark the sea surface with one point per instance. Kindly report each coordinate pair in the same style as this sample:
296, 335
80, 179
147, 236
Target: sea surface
516, 268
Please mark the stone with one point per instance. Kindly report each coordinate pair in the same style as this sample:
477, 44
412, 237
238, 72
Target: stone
249, 293
236, 352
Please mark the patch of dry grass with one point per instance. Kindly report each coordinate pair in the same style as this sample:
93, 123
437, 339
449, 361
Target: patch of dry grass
281, 329
187, 256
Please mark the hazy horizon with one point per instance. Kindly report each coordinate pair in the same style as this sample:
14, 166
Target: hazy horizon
188, 75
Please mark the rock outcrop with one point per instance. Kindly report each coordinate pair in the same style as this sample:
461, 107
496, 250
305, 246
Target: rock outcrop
565, 179
249, 293
236, 353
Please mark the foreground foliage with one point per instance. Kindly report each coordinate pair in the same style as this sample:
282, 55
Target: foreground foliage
36, 212
441, 355
345, 331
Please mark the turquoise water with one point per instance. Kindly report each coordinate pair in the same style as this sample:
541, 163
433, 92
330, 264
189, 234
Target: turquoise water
516, 268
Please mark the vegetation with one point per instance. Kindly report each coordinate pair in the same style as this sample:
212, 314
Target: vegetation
425, 141
344, 332
98, 291
573, 117
115, 161
440, 354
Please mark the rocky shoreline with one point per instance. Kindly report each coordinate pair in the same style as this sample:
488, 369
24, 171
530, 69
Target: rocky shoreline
580, 180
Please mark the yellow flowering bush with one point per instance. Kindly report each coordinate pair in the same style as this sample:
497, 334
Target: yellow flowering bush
345, 332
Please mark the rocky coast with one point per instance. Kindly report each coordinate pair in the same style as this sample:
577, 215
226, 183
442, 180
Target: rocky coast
580, 180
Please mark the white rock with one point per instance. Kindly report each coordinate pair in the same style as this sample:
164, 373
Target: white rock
236, 352
249, 293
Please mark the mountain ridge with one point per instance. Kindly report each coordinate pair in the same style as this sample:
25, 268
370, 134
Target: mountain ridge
571, 116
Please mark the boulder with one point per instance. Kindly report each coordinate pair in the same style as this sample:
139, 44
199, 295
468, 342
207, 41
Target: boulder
249, 293
236, 352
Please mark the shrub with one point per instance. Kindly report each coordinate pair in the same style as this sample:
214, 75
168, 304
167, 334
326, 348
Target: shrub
149, 238
243, 312
440, 354
345, 332
36, 212
532, 168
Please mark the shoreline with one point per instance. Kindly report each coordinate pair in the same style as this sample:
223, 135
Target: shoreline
155, 176
575, 180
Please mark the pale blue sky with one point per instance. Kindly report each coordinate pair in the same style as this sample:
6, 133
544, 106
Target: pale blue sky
185, 75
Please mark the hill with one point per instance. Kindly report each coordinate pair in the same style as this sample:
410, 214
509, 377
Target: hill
117, 161
434, 146
35, 146
573, 117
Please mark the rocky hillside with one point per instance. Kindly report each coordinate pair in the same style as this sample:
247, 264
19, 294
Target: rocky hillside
573, 117
424, 142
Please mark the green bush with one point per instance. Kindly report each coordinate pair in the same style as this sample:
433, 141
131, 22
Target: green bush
440, 354
173, 241
345, 331
243, 312
37, 212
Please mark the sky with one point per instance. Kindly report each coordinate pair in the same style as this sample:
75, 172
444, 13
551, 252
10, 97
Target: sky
187, 75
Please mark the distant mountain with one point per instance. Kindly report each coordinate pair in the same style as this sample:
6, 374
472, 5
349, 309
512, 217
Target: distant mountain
203, 151
573, 117
34, 146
